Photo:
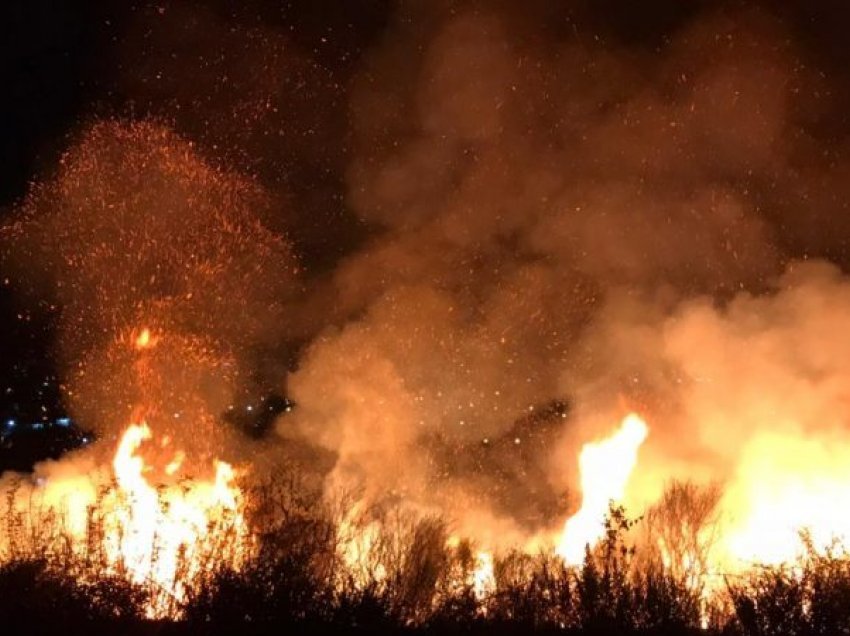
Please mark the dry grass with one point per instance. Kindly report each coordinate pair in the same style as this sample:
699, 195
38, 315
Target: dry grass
413, 580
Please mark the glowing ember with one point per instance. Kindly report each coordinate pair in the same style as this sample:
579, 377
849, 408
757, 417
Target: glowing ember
144, 340
605, 468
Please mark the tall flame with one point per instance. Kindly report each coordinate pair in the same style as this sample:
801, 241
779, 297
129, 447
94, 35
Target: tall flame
605, 467
154, 532
155, 524
483, 576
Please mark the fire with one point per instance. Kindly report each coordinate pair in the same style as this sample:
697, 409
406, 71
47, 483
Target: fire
358, 547
784, 486
605, 467
162, 534
159, 529
145, 340
483, 576
153, 522
161, 526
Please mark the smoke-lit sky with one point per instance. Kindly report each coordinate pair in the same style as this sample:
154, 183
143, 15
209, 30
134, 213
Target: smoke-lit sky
67, 62
462, 236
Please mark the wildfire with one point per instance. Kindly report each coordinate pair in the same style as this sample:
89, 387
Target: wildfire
786, 486
483, 576
163, 528
358, 545
153, 522
157, 528
605, 468
162, 534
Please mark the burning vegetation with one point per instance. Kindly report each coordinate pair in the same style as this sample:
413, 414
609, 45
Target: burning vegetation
574, 373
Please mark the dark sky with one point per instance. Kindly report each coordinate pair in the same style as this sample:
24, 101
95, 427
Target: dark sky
65, 63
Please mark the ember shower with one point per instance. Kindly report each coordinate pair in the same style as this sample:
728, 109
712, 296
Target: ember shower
560, 231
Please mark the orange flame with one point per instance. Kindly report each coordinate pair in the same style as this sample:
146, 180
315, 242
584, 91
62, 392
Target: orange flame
163, 534
605, 468
785, 485
483, 576
145, 340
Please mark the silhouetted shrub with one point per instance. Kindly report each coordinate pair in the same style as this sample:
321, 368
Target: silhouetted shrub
311, 568
35, 597
809, 598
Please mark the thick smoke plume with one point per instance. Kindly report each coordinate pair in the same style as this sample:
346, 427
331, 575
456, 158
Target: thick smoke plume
570, 228
561, 226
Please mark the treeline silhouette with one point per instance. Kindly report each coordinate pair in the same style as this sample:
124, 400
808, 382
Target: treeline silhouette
413, 580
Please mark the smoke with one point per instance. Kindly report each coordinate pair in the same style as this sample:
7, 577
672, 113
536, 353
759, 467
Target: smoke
560, 226
570, 227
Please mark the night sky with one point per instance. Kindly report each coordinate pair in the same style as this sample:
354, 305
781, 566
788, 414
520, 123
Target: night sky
68, 63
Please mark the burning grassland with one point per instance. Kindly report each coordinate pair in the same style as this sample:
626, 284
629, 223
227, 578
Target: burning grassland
178, 545
587, 286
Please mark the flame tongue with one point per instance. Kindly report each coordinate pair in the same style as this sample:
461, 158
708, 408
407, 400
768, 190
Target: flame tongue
605, 468
161, 534
483, 576
139, 519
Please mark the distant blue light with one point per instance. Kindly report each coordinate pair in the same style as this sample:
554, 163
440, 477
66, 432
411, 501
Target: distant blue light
63, 421
10, 424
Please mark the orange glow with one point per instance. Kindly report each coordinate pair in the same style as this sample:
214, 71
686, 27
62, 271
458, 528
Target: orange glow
157, 531
144, 340
156, 524
483, 576
785, 485
605, 468
358, 541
